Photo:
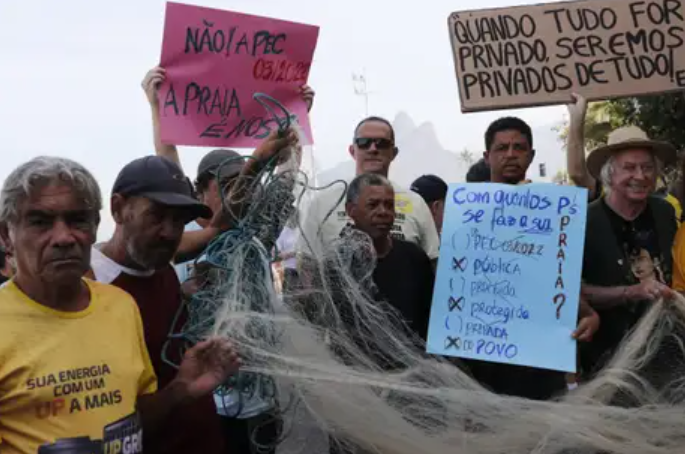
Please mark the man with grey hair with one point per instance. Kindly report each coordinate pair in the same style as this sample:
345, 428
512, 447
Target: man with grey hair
627, 261
74, 369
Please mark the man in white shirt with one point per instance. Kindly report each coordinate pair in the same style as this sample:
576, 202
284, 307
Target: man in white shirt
373, 149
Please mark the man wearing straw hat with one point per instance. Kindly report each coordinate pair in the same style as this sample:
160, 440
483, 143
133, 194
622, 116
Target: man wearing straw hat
629, 236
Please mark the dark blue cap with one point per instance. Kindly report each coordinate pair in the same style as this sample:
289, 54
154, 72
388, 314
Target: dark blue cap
162, 181
430, 187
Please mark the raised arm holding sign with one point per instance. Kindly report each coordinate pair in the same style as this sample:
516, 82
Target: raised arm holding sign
215, 61
151, 83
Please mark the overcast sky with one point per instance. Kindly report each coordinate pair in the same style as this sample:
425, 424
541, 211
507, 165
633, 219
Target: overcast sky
71, 72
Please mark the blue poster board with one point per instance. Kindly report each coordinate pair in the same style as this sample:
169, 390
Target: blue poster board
508, 278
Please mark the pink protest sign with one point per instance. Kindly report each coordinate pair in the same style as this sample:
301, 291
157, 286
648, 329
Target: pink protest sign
215, 62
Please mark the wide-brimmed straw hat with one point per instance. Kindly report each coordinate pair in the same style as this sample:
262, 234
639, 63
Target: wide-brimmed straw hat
626, 138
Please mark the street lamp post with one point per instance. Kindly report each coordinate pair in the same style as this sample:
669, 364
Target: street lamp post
360, 89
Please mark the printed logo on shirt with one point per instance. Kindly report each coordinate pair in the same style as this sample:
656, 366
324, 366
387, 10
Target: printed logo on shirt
403, 204
645, 267
85, 389
124, 436
75, 390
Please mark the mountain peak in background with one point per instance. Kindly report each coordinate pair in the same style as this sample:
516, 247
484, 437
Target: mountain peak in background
420, 153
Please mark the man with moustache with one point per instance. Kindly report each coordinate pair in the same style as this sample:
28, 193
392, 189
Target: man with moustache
509, 153
151, 203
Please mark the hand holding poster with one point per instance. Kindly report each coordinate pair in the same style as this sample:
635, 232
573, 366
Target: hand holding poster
215, 62
508, 281
539, 54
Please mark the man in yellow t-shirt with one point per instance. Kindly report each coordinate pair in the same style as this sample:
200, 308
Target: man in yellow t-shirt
74, 369
82, 369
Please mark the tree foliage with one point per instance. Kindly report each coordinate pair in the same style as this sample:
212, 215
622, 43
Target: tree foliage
561, 177
599, 122
662, 117
467, 157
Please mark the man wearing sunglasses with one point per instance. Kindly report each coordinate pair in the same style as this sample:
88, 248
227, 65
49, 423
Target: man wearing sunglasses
373, 150
217, 169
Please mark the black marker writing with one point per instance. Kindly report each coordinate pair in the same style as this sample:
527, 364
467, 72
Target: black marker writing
232, 41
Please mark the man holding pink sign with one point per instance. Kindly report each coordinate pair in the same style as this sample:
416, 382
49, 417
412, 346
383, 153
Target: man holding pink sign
215, 62
207, 180
202, 93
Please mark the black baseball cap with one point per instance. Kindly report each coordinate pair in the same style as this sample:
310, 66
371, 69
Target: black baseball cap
430, 187
478, 172
162, 181
230, 162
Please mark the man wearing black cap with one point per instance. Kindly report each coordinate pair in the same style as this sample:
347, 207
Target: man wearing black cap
216, 170
433, 190
151, 203
207, 183
478, 172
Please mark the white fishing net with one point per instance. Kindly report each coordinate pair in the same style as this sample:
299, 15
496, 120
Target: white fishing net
337, 363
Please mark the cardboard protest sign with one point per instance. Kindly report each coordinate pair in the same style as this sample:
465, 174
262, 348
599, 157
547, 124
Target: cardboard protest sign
539, 54
215, 61
508, 281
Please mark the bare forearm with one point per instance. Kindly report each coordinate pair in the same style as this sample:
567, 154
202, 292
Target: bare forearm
575, 157
240, 189
154, 409
287, 256
193, 243
604, 297
584, 309
164, 150
287, 172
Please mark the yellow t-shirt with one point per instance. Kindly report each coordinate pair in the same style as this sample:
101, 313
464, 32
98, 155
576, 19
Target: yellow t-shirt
72, 377
679, 260
675, 203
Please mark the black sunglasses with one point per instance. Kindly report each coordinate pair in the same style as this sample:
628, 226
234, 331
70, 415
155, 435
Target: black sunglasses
365, 143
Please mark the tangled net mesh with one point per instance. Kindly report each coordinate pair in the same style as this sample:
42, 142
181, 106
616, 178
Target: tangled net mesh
340, 364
